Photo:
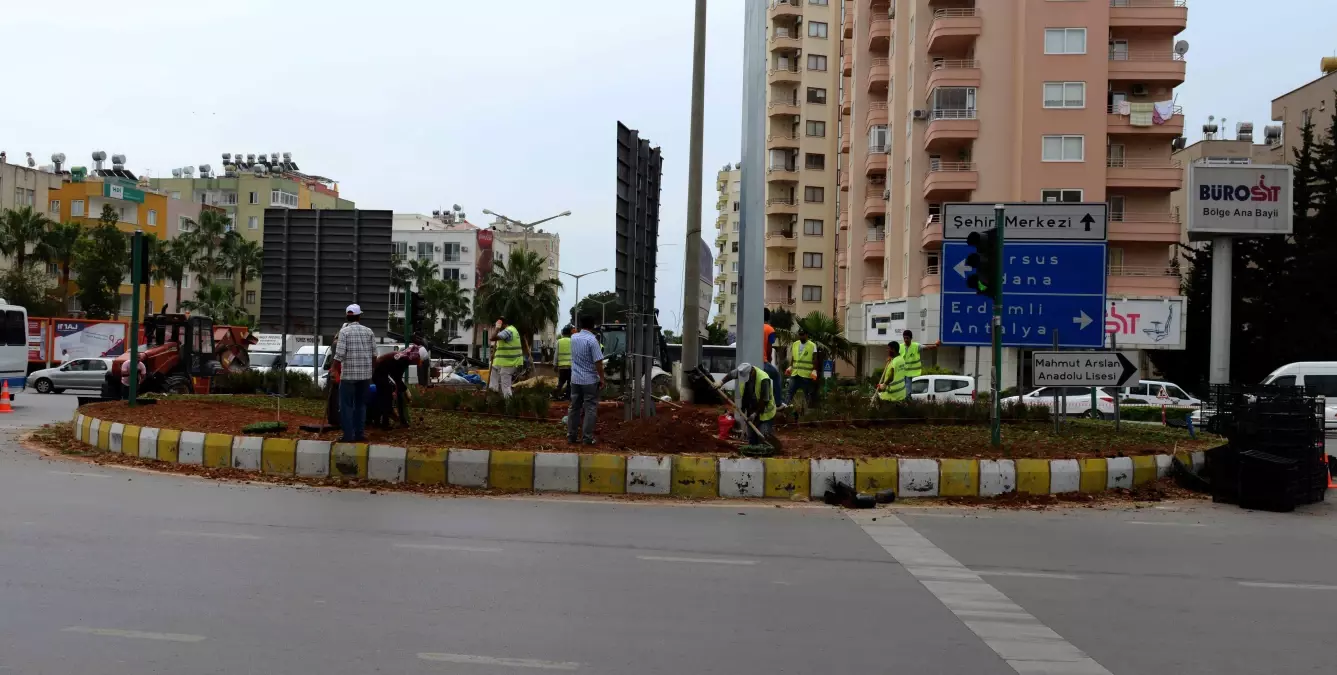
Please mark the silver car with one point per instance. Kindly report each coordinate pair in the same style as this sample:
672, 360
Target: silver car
74, 374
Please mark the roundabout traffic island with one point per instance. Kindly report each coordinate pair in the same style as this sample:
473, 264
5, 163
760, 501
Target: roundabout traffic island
675, 454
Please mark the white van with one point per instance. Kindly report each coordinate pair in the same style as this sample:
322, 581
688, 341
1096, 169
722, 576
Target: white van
1317, 377
939, 388
1157, 392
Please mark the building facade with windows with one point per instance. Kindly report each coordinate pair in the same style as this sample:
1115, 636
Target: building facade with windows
728, 184
548, 246
461, 252
22, 186
802, 182
981, 101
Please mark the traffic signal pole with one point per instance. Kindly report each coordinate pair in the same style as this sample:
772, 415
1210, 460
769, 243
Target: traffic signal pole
996, 332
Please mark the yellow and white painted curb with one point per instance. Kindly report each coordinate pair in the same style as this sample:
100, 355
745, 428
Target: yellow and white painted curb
601, 473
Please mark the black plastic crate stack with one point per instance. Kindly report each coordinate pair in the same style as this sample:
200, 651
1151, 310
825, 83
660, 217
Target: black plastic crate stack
1275, 459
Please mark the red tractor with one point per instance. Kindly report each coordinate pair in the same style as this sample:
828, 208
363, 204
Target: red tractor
180, 348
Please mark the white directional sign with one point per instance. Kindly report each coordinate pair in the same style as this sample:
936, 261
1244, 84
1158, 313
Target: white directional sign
1052, 221
1085, 369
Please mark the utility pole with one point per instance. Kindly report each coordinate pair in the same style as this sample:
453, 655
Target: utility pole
137, 263
996, 332
691, 296
752, 208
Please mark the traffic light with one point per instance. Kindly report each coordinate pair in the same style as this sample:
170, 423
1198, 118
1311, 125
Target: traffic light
984, 262
417, 312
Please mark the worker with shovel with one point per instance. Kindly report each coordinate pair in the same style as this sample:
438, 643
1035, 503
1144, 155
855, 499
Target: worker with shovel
892, 385
758, 400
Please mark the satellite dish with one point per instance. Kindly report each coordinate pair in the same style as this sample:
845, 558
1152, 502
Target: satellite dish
58, 158
454, 207
176, 173
1181, 47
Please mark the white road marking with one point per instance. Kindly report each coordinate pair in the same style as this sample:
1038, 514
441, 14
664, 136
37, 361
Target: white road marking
1152, 522
499, 661
1014, 634
716, 561
448, 547
919, 514
215, 535
138, 634
1301, 587
80, 473
1026, 575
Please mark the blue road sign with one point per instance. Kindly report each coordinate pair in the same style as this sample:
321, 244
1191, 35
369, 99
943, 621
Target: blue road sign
1046, 287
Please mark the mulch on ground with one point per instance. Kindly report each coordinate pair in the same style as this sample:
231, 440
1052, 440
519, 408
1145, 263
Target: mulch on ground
1160, 490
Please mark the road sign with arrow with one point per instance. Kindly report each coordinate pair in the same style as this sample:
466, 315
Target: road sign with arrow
1085, 369
1033, 221
1047, 287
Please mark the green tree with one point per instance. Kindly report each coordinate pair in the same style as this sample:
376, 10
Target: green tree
57, 246
782, 319
445, 301
518, 290
824, 331
245, 260
218, 302
716, 334
30, 287
605, 306
672, 338
423, 271
209, 234
99, 264
20, 229
401, 277
173, 262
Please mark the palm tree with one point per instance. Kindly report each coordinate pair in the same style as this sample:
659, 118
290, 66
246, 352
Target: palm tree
57, 246
209, 235
445, 300
217, 302
174, 260
19, 229
423, 271
245, 259
517, 290
401, 277
827, 333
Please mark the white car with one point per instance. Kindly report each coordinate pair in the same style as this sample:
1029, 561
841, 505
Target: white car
1156, 392
1078, 400
939, 388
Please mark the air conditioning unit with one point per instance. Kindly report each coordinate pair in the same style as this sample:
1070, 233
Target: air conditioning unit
463, 276
886, 195
1140, 90
464, 249
436, 249
412, 247
920, 114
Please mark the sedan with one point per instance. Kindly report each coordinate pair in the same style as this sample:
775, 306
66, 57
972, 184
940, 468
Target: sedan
1078, 400
75, 374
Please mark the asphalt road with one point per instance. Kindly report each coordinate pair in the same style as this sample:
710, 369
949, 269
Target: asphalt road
104, 570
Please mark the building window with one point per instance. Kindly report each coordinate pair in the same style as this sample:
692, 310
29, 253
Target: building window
1060, 195
878, 138
817, 95
175, 194
450, 252
281, 198
231, 222
426, 252
185, 224
812, 227
250, 297
55, 207
252, 222
735, 226
53, 269
1065, 40
1065, 94
127, 303
733, 288
76, 208
399, 249
153, 218
816, 62
816, 29
1064, 149
812, 293
253, 198
735, 266
817, 2
814, 195
450, 274
812, 261
733, 308
815, 161
735, 207
816, 129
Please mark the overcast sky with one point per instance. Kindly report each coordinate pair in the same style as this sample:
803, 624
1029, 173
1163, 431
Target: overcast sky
510, 106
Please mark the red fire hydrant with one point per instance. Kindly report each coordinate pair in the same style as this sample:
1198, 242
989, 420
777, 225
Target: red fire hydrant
726, 423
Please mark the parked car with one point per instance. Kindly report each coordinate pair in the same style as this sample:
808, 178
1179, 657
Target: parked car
263, 362
1078, 400
954, 388
74, 374
1156, 392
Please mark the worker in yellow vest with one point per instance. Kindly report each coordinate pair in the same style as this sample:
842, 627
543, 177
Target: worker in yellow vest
508, 355
758, 398
892, 386
912, 351
563, 363
801, 371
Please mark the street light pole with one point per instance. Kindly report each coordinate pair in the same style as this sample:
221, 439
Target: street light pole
691, 296
577, 278
526, 226
603, 308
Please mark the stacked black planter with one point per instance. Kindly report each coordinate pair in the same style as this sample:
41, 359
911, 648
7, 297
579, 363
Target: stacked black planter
1275, 459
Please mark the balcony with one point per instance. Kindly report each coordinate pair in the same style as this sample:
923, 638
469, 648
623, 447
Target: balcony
1169, 17
954, 29
844, 181
874, 247
781, 239
845, 139
842, 258
781, 206
876, 160
844, 104
877, 112
873, 203
1132, 172
932, 236
932, 281
944, 178
879, 74
1159, 67
774, 301
783, 39
782, 141
786, 8
871, 290
879, 32
1128, 280
785, 75
1122, 124
953, 73
1144, 227
951, 127
782, 173
843, 218
788, 107
847, 65
780, 273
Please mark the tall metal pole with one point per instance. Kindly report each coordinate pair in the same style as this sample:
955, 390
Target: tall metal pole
752, 214
1223, 256
691, 296
136, 264
996, 433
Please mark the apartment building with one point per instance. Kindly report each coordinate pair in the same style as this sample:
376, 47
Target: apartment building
728, 184
803, 114
1314, 101
248, 185
462, 252
22, 186
548, 245
985, 101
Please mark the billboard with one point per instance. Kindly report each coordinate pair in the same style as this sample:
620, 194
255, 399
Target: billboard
84, 338
38, 331
1145, 324
483, 261
1243, 200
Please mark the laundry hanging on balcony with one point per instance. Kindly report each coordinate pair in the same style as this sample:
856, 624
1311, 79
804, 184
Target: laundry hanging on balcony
1142, 114
1125, 108
1163, 111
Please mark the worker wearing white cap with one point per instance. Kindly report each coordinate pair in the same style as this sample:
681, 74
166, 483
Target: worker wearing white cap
758, 398
355, 351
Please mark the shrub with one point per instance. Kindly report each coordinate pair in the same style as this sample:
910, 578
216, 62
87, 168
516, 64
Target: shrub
264, 427
298, 384
1151, 413
862, 405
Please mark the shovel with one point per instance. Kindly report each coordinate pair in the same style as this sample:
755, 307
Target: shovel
770, 439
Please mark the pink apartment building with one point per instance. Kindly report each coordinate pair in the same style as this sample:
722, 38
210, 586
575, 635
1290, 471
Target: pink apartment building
1005, 101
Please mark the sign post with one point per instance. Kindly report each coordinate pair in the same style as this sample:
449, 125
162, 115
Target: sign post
1085, 369
996, 332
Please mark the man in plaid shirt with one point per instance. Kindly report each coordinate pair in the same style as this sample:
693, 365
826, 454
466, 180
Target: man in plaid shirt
355, 351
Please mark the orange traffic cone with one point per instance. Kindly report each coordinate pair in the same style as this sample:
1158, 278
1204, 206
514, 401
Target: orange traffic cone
4, 398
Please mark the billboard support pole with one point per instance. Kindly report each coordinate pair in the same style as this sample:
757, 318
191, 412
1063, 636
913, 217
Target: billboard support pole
1056, 389
316, 361
691, 297
996, 332
1223, 257
283, 336
136, 264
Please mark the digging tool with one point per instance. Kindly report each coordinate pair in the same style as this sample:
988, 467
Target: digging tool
770, 439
